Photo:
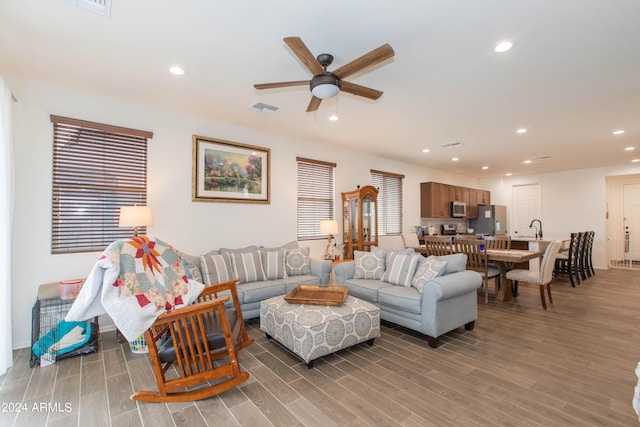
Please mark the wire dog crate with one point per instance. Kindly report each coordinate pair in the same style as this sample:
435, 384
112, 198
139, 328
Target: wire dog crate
46, 315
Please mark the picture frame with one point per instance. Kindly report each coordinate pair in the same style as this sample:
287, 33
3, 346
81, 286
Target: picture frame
227, 171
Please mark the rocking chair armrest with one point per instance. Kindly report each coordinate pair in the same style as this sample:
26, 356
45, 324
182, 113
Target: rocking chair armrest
218, 287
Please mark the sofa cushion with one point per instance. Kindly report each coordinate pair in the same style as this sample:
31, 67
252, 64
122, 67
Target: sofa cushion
258, 291
216, 268
369, 265
289, 245
297, 261
304, 279
400, 269
428, 268
455, 263
366, 289
402, 298
273, 264
247, 266
239, 250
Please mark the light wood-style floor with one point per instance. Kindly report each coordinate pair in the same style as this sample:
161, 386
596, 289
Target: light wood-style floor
570, 365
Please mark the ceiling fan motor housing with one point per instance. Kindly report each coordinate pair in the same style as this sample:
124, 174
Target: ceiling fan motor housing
325, 79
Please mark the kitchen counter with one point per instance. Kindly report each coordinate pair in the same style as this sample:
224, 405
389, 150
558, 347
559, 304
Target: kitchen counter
546, 239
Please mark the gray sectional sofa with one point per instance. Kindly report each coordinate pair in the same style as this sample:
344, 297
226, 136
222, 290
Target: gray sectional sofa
263, 272
431, 295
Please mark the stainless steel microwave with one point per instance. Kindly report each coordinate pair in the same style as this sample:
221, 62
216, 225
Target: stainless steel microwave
458, 209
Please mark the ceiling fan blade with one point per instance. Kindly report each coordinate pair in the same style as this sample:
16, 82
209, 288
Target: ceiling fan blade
376, 56
281, 84
314, 104
304, 54
358, 90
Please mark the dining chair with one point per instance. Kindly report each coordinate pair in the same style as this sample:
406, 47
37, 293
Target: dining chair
543, 276
567, 261
410, 240
437, 245
587, 259
477, 260
497, 242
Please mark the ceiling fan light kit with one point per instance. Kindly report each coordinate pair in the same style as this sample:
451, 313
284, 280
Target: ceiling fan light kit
325, 84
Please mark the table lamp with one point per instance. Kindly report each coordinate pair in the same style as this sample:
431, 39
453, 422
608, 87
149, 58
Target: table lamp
329, 227
135, 216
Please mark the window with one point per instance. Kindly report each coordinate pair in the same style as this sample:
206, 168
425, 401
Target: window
389, 187
316, 196
97, 169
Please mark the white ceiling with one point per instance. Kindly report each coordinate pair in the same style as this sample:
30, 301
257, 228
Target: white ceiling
572, 78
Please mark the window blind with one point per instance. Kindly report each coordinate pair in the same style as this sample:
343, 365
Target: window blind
316, 196
97, 168
389, 201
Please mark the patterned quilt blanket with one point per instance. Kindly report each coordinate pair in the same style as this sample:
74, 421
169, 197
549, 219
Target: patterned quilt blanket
134, 281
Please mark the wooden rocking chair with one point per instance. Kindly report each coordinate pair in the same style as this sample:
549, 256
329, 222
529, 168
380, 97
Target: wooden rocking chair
202, 341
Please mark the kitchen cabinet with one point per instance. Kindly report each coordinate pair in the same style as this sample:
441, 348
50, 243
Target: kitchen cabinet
359, 220
436, 198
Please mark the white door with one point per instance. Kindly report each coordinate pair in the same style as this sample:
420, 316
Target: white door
527, 205
631, 201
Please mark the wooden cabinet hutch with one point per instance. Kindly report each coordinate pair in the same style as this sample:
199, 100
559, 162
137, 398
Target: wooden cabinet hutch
359, 220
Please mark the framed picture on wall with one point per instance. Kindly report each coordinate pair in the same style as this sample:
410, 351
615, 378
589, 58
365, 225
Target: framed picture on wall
226, 171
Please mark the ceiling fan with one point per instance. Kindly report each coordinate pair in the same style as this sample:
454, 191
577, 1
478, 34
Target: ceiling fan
325, 84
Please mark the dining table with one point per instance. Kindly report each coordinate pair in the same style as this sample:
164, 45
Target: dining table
504, 259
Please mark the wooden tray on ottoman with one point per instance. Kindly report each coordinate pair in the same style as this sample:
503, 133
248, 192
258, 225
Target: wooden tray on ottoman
318, 295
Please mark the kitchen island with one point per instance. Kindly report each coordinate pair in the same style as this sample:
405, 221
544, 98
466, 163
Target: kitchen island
536, 244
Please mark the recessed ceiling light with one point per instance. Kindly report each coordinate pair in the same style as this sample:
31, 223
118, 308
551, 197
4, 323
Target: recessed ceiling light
508, 174
629, 148
484, 168
426, 150
503, 46
635, 160
527, 162
334, 118
521, 130
618, 132
176, 70
455, 159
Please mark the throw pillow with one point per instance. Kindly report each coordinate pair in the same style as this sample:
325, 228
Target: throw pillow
247, 266
430, 268
369, 265
216, 268
273, 264
400, 269
297, 262
239, 250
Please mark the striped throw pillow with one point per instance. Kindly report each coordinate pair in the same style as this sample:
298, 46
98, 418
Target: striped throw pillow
273, 264
400, 269
247, 266
216, 268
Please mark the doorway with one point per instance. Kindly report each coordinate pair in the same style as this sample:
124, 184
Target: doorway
623, 221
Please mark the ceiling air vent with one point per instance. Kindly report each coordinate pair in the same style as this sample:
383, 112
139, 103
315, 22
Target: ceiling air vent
99, 7
452, 144
261, 107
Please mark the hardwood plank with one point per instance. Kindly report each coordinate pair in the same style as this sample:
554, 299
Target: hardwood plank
270, 407
119, 392
215, 411
94, 409
188, 417
248, 415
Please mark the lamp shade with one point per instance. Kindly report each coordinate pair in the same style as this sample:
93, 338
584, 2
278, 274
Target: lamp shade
135, 216
328, 226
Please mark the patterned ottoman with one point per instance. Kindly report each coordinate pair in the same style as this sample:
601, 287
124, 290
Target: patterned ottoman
313, 331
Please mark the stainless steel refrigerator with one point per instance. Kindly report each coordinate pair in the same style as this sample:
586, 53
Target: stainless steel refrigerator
492, 220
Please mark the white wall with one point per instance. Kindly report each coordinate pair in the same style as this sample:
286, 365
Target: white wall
191, 227
572, 201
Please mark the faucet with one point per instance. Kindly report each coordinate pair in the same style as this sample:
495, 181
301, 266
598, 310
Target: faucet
538, 233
